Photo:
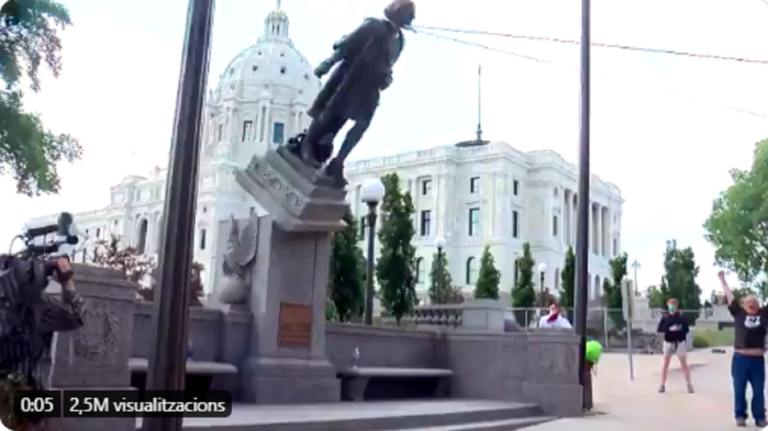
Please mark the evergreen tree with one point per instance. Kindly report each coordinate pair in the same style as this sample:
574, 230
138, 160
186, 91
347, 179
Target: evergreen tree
397, 258
612, 295
28, 38
680, 278
524, 294
487, 286
568, 281
346, 289
441, 288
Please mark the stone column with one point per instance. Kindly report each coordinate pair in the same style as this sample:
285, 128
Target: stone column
287, 361
95, 357
599, 231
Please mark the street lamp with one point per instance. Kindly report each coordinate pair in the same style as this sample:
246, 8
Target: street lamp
635, 267
372, 193
440, 244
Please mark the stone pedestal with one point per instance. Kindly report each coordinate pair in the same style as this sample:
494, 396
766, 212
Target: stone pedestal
95, 357
287, 362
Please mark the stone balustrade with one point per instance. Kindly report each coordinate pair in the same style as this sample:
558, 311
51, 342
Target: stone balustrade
478, 315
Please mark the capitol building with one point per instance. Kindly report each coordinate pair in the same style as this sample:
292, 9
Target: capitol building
475, 194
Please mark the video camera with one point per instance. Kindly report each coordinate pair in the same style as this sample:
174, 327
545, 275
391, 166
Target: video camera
32, 267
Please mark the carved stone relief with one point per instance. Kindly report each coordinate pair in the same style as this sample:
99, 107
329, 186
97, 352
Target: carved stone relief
98, 337
268, 178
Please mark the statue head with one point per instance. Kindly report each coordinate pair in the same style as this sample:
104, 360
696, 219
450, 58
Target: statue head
401, 12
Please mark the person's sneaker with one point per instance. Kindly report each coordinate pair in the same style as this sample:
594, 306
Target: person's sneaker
762, 423
662, 389
741, 422
690, 388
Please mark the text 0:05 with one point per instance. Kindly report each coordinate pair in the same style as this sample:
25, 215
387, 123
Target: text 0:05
37, 405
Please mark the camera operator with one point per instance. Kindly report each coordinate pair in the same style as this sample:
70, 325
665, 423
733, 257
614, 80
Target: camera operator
25, 350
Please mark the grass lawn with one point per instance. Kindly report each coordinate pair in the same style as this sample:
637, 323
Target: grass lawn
713, 337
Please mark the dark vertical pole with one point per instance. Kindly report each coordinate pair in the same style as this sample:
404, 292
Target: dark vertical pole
369, 293
167, 360
582, 230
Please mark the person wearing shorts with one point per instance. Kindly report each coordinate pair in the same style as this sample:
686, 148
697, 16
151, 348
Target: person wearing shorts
675, 329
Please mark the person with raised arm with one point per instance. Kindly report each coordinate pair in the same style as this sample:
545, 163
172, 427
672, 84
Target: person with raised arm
748, 366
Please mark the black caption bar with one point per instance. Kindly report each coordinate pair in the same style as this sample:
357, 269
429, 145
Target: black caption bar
103, 404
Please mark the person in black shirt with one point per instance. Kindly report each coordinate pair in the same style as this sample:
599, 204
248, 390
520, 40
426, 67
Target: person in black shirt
675, 330
748, 366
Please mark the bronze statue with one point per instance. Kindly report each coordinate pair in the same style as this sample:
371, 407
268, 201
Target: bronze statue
364, 61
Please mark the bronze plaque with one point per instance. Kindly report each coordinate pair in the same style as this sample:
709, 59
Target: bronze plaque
295, 325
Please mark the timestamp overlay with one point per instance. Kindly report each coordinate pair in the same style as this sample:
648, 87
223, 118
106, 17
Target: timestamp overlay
103, 404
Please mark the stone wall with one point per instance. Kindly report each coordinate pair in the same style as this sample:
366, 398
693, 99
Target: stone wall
538, 367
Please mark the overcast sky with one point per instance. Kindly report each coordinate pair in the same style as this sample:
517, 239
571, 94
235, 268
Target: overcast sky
661, 127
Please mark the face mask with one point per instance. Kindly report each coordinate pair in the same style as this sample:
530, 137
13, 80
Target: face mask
671, 308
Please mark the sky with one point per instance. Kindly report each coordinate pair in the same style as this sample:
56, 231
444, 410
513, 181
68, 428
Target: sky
661, 125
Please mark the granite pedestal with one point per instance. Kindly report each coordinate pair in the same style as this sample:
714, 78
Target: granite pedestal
287, 362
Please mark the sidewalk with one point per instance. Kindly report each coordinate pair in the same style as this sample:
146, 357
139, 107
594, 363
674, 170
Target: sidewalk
637, 405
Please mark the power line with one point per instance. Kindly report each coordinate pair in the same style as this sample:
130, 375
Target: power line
547, 62
602, 45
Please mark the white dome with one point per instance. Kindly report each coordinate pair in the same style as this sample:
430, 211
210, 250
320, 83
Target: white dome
270, 68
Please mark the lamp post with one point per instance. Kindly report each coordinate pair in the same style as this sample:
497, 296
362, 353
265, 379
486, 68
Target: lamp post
440, 244
582, 219
635, 267
542, 273
169, 334
372, 193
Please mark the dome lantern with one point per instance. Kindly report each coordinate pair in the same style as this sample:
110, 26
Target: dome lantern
276, 24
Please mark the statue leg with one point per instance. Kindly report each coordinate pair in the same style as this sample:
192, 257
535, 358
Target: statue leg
335, 168
321, 133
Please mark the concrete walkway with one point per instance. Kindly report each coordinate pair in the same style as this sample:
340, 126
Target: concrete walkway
637, 405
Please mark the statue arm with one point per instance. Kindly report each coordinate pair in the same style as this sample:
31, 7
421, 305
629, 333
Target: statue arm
349, 44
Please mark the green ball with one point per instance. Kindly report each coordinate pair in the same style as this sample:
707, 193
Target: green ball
594, 350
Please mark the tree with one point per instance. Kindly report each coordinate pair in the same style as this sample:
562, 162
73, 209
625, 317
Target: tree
345, 280
680, 277
487, 285
524, 294
139, 268
441, 288
29, 152
612, 289
568, 281
738, 224
397, 258
657, 298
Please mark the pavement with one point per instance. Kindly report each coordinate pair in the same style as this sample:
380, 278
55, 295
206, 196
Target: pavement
621, 403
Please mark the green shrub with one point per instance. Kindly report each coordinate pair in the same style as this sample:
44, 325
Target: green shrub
700, 342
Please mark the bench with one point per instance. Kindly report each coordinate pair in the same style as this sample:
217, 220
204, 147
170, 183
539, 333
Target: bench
389, 383
202, 376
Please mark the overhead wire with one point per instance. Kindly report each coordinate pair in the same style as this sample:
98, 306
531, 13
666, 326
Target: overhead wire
420, 30
602, 45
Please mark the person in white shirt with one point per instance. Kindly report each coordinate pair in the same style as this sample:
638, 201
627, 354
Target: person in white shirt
554, 319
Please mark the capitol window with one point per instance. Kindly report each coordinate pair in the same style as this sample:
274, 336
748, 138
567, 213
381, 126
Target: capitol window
421, 271
278, 133
247, 131
515, 187
515, 224
554, 226
474, 221
426, 187
471, 271
474, 185
426, 222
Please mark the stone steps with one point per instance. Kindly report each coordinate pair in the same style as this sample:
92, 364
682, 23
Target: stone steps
454, 415
502, 425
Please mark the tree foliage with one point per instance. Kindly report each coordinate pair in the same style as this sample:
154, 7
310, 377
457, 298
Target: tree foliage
397, 260
487, 285
524, 294
140, 268
29, 37
738, 224
657, 297
680, 272
441, 288
612, 295
345, 281
568, 280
